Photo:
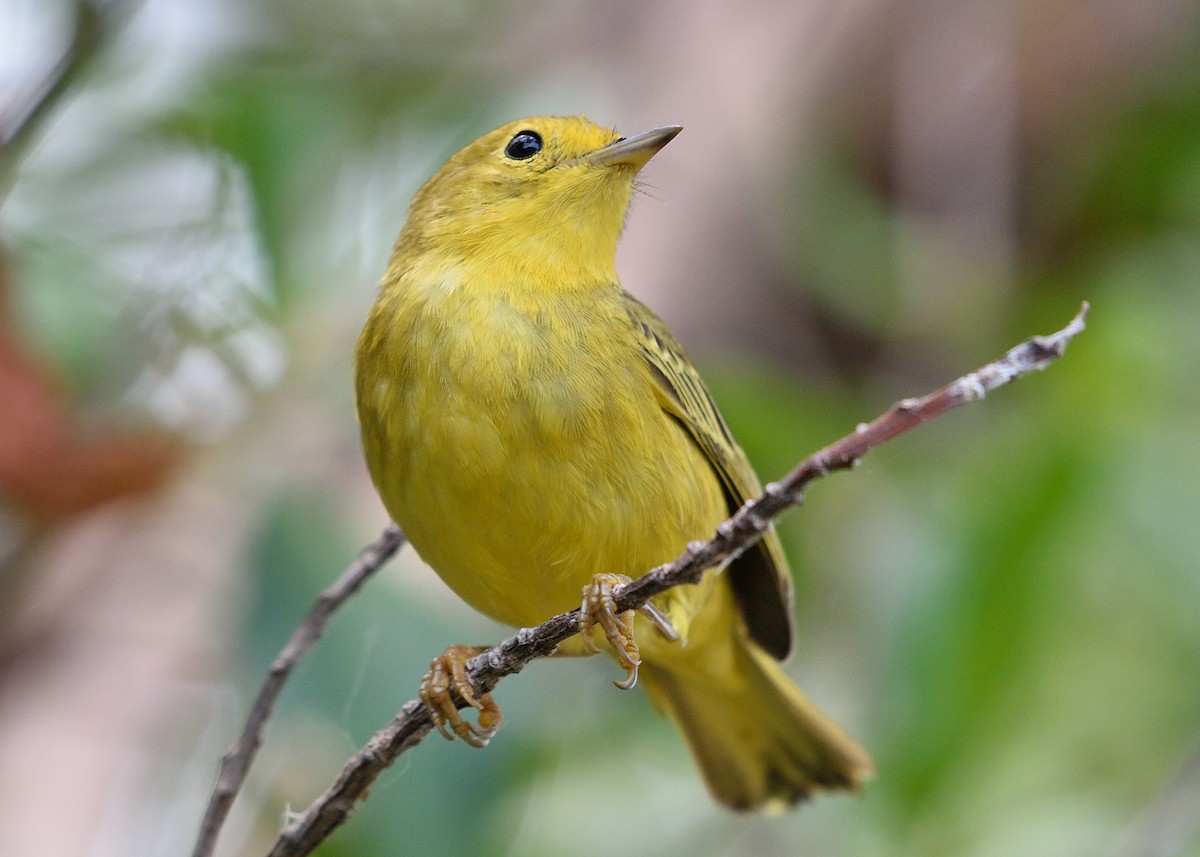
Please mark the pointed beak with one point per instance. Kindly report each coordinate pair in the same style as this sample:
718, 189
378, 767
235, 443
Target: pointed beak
634, 151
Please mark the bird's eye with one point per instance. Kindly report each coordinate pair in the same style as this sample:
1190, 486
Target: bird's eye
523, 145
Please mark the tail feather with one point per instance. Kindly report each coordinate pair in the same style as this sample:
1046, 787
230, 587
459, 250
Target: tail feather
759, 741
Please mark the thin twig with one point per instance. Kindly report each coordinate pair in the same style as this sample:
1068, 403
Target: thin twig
735, 535
95, 22
236, 763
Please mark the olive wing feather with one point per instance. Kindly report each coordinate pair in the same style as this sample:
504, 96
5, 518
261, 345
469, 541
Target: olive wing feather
759, 576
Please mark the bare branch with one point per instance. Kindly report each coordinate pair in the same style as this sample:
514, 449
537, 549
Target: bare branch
411, 724
236, 763
95, 22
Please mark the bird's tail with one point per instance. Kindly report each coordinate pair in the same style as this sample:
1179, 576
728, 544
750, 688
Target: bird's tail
760, 742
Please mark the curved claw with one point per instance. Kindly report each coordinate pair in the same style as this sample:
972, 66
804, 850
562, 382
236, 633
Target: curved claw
631, 677
599, 608
448, 675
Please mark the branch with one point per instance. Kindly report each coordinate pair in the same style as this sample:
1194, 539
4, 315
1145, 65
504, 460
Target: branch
236, 763
95, 21
733, 536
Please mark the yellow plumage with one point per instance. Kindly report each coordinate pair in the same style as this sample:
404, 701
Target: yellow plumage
529, 425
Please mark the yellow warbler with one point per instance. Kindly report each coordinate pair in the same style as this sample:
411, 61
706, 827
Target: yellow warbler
537, 432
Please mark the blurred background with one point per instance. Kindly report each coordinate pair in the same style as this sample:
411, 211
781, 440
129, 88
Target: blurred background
870, 197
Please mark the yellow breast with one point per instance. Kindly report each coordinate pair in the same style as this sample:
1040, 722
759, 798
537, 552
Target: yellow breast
520, 447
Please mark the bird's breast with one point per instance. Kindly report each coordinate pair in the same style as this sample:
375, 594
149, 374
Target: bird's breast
519, 445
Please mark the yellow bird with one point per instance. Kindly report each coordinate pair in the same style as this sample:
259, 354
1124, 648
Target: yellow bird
537, 433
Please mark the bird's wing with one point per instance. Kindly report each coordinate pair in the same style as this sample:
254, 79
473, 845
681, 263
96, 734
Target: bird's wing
761, 582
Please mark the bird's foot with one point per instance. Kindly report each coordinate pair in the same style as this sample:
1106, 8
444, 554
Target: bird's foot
448, 675
599, 609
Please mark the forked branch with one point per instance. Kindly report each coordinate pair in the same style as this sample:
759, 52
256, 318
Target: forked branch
742, 530
235, 764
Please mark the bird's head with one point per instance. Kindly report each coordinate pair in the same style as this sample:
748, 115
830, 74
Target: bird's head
547, 195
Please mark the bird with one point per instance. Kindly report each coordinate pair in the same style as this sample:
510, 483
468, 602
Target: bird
540, 436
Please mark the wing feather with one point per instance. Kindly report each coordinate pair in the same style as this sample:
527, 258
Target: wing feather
760, 578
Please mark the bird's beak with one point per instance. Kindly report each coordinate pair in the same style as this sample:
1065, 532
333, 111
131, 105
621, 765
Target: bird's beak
634, 151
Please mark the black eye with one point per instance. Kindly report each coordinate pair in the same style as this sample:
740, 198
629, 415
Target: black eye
524, 144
